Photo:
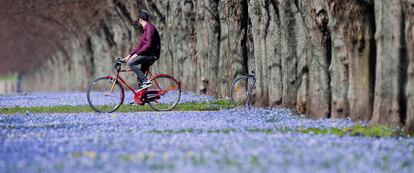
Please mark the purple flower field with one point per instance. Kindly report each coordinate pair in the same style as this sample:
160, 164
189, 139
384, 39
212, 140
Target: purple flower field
234, 140
149, 141
75, 99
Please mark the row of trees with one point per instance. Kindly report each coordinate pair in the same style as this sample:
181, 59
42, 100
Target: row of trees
359, 53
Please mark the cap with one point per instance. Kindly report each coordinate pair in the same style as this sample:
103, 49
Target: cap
143, 15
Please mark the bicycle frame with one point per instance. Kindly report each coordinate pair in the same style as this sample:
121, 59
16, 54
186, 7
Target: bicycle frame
123, 82
147, 73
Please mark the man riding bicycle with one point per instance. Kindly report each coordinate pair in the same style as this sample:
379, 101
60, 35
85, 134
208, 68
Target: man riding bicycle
146, 51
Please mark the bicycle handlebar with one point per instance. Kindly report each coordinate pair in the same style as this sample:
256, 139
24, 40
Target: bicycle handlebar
117, 64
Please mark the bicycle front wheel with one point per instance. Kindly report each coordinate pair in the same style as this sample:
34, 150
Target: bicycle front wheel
243, 91
105, 95
164, 93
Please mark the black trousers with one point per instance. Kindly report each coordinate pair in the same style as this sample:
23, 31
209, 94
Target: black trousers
140, 65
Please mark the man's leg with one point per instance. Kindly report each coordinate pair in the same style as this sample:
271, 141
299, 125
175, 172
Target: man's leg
138, 64
147, 64
134, 64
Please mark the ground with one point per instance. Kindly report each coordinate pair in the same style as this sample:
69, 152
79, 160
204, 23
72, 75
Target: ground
230, 140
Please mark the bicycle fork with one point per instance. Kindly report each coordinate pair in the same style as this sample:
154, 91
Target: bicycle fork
113, 85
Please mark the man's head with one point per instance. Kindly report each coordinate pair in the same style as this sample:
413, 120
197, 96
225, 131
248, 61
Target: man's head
143, 18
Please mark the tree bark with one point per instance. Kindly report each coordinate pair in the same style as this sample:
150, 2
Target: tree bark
387, 83
233, 35
259, 19
208, 43
351, 68
288, 52
316, 19
409, 41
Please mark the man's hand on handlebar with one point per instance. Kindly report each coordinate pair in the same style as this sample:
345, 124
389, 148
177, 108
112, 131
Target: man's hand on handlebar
127, 58
124, 60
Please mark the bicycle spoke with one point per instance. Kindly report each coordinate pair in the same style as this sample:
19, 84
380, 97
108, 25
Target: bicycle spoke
105, 95
111, 95
242, 101
167, 95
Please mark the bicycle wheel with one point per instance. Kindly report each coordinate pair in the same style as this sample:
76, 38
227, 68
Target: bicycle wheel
243, 91
104, 95
164, 93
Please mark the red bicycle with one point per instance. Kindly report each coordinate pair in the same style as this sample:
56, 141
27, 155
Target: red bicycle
106, 94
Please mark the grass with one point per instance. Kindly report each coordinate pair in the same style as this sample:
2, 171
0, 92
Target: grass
357, 130
203, 106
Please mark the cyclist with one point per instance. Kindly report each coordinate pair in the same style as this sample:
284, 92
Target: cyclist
146, 51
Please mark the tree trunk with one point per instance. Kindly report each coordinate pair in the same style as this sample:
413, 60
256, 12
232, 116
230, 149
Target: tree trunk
289, 55
319, 98
387, 83
208, 35
233, 35
274, 46
259, 19
351, 26
409, 40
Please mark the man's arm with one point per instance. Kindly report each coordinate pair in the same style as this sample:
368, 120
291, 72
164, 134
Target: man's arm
126, 58
141, 42
139, 45
129, 57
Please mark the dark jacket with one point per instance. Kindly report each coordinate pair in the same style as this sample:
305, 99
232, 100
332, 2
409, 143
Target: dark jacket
149, 43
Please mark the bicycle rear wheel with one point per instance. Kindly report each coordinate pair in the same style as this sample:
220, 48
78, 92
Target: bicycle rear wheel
105, 95
164, 93
243, 91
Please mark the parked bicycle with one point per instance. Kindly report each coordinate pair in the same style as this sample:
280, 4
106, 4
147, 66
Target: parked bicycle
243, 90
106, 94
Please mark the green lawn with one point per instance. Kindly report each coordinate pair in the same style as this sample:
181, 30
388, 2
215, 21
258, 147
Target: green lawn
357, 130
203, 106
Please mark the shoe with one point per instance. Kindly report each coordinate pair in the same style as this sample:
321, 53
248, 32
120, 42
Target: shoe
146, 82
132, 103
144, 85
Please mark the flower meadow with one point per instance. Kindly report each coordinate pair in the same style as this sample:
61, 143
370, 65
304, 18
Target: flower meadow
76, 99
233, 140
